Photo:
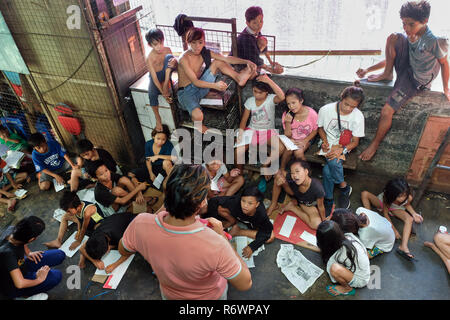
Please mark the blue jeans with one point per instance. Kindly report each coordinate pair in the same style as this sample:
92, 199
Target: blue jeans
190, 96
50, 258
333, 173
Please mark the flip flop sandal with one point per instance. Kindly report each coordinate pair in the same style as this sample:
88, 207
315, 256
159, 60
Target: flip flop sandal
406, 255
374, 252
338, 293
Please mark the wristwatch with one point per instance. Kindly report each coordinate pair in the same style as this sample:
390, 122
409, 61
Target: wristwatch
344, 151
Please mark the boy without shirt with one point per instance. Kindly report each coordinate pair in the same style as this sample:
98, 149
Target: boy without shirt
160, 63
194, 82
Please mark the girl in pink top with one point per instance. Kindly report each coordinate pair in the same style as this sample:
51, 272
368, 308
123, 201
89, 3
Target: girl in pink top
299, 124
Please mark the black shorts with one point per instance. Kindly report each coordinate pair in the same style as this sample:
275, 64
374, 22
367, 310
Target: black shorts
406, 86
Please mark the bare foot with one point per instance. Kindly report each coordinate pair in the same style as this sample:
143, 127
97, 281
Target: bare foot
368, 154
12, 205
271, 208
380, 77
53, 244
429, 244
82, 264
244, 75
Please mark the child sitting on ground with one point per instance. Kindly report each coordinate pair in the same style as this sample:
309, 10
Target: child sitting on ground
23, 272
13, 141
395, 200
341, 125
306, 191
374, 231
10, 178
158, 155
248, 209
223, 183
105, 237
114, 192
160, 63
261, 110
87, 155
299, 124
345, 257
50, 160
441, 246
85, 214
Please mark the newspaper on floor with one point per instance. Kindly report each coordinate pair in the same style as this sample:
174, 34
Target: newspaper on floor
298, 270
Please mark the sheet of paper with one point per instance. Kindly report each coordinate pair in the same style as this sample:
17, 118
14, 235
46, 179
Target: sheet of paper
20, 193
58, 213
58, 187
158, 180
301, 272
241, 243
211, 102
65, 247
87, 195
214, 186
288, 143
287, 227
14, 158
246, 138
308, 237
115, 276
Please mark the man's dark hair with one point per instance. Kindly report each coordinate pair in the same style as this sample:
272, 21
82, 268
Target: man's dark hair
186, 188
416, 10
69, 200
84, 146
93, 166
253, 191
252, 13
97, 245
154, 35
36, 139
28, 228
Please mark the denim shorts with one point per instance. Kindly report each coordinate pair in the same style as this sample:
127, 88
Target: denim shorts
189, 97
405, 86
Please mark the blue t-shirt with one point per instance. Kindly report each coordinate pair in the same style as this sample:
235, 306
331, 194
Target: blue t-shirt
166, 150
52, 160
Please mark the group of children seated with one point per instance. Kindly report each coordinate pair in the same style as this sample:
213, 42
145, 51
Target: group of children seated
346, 240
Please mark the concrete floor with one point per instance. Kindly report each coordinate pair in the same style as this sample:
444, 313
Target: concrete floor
426, 279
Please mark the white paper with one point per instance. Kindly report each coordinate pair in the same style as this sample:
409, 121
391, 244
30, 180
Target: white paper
20, 193
58, 213
246, 138
14, 158
301, 272
288, 225
241, 243
58, 187
158, 180
211, 102
68, 242
118, 273
214, 186
87, 195
308, 237
288, 143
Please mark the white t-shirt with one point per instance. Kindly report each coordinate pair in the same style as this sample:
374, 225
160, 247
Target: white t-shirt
261, 117
361, 275
214, 181
378, 233
328, 120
